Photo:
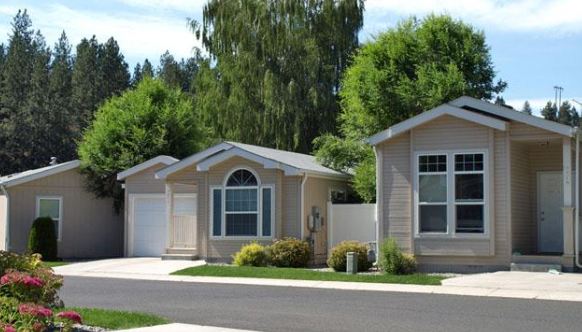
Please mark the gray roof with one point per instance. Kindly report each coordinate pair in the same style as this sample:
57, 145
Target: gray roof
34, 174
298, 160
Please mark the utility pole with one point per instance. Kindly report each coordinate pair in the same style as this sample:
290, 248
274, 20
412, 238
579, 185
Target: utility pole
558, 96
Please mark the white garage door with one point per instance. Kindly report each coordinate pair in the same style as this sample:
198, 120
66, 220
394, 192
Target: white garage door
149, 226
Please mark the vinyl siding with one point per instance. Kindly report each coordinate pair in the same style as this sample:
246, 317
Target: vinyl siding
522, 131
3, 215
291, 195
90, 226
446, 133
397, 191
317, 194
523, 226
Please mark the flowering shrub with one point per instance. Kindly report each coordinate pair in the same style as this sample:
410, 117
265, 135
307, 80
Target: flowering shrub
28, 295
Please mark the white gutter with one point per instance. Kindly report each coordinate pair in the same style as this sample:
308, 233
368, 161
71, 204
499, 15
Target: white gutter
577, 204
7, 220
302, 205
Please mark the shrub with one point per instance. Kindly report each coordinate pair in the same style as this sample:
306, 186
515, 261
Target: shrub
338, 260
289, 252
28, 295
393, 261
252, 254
43, 238
12, 261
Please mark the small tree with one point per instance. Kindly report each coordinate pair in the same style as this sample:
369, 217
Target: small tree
43, 238
151, 120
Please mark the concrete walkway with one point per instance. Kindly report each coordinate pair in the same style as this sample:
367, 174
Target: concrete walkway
523, 285
176, 327
149, 266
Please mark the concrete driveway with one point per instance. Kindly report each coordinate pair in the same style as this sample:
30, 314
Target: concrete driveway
522, 282
146, 266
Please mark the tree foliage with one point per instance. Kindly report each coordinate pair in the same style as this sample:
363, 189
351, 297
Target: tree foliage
526, 108
148, 121
48, 97
550, 111
402, 72
276, 67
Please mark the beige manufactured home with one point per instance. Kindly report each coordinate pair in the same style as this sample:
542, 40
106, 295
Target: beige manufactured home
473, 186
86, 227
209, 204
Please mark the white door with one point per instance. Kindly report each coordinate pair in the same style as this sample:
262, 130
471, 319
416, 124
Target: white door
149, 226
550, 222
184, 221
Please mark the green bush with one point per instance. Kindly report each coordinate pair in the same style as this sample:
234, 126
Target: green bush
13, 261
252, 254
290, 252
393, 261
337, 260
43, 238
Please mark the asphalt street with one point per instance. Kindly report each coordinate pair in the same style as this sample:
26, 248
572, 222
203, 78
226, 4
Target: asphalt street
266, 308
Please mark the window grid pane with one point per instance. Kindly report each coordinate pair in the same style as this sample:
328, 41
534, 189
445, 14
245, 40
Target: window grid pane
49, 208
469, 162
432, 163
470, 219
469, 188
241, 200
267, 212
241, 224
433, 218
432, 188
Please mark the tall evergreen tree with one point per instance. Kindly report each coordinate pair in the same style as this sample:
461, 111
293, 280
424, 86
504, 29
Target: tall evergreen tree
113, 70
86, 83
277, 68
14, 93
137, 75
499, 101
147, 69
169, 70
575, 117
33, 146
526, 108
550, 112
565, 113
60, 141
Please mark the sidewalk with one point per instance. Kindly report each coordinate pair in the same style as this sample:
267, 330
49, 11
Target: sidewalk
176, 327
521, 285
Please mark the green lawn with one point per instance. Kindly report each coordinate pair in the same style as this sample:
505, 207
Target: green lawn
117, 320
303, 274
55, 263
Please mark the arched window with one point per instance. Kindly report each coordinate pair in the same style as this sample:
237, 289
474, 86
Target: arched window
242, 207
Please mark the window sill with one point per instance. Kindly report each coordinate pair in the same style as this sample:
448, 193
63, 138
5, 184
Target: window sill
241, 238
453, 236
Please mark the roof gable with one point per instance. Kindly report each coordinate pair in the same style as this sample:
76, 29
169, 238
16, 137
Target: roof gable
38, 173
434, 113
514, 115
474, 110
166, 160
290, 162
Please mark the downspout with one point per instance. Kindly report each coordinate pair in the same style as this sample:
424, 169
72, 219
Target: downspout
7, 220
577, 203
302, 206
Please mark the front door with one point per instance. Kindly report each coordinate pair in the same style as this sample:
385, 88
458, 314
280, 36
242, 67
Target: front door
550, 203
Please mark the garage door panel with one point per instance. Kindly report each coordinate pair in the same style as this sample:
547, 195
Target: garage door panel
149, 226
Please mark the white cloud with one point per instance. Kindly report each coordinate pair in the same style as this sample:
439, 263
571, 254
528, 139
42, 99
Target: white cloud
518, 15
139, 35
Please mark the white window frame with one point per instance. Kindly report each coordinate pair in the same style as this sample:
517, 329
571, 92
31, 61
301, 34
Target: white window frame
451, 204
223, 188
60, 220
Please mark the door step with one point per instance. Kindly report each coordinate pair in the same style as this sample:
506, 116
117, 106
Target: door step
179, 257
535, 267
191, 251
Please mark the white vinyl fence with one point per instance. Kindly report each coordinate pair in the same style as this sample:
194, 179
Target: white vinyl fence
350, 222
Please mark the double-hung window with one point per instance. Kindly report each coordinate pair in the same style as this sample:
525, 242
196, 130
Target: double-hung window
51, 207
451, 193
242, 207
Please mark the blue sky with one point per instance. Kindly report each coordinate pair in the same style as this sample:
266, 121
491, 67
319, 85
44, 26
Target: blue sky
535, 44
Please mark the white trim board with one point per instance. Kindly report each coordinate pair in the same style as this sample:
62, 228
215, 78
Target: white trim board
434, 113
166, 160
